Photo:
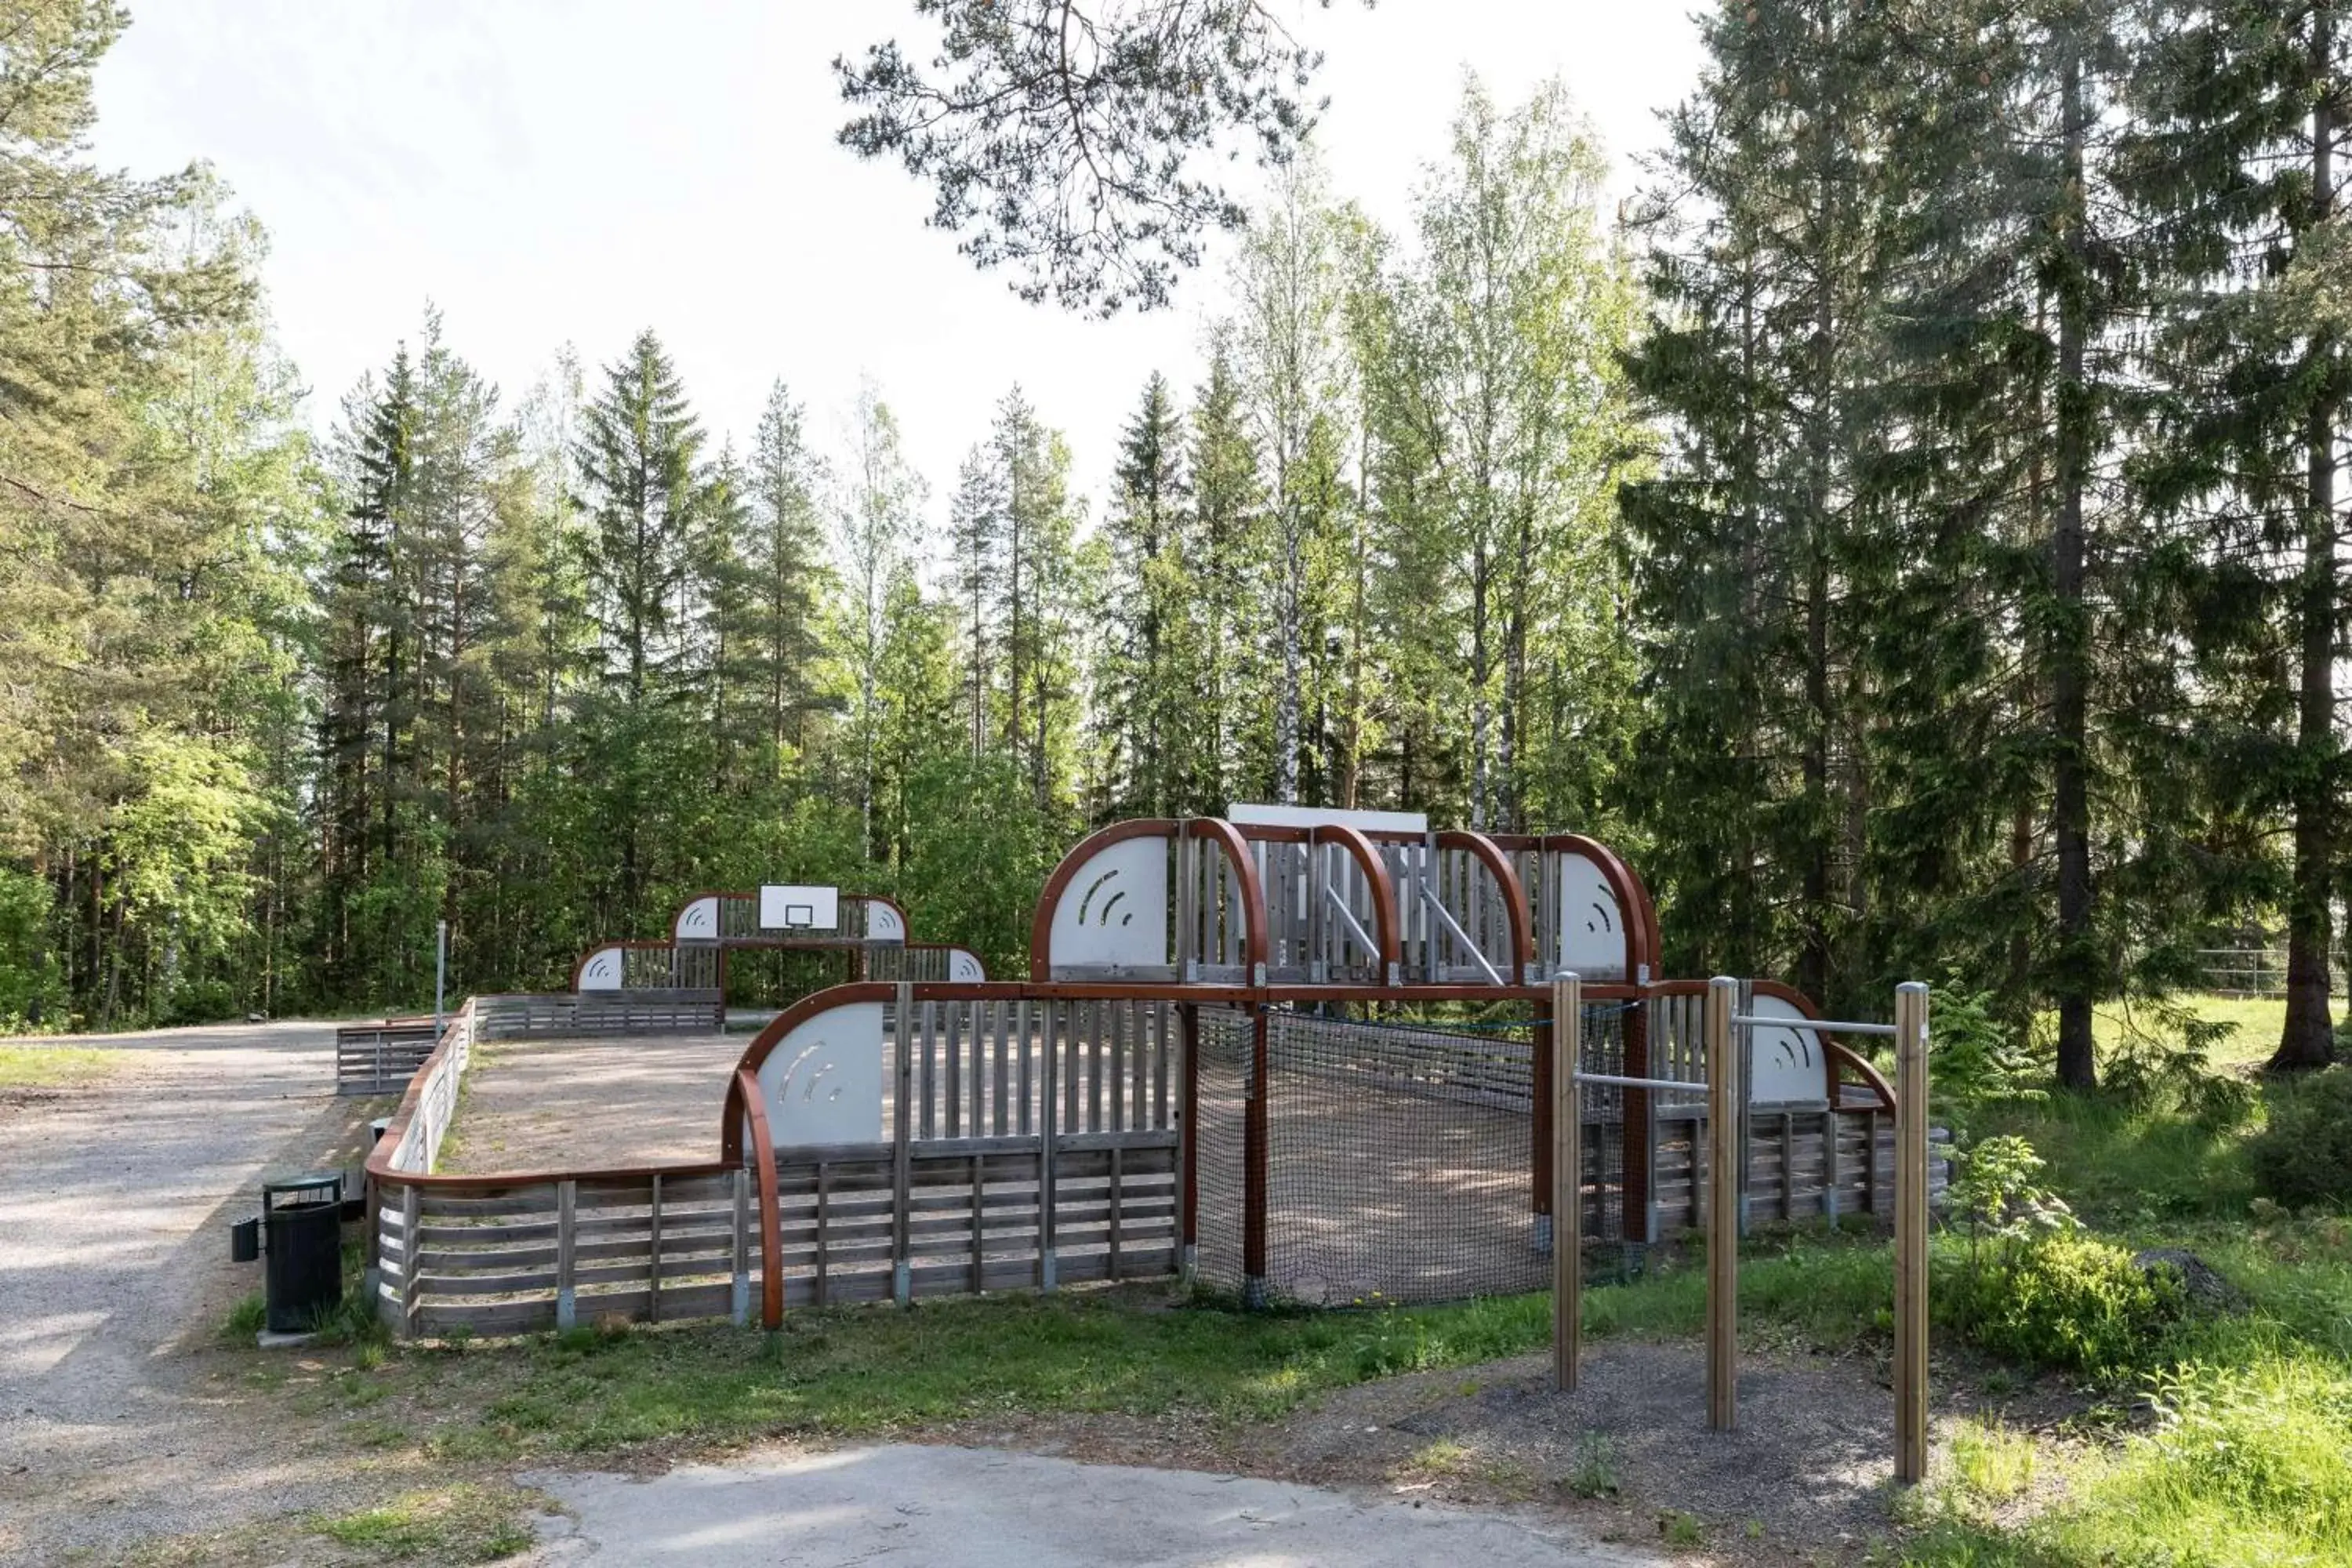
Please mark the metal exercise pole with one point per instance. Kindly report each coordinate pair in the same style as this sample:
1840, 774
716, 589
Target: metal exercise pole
1724, 1092
1568, 1186
1910, 1232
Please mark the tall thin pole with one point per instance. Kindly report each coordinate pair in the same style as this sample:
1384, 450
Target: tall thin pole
440, 972
1567, 1185
1910, 1232
1725, 1093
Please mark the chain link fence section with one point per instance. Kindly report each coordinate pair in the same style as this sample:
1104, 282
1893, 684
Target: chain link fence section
1219, 1112
1399, 1163
1400, 1158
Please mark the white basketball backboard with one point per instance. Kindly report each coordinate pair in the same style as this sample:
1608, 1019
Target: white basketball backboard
792, 907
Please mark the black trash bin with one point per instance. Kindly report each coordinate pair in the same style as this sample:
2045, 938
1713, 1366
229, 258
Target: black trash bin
303, 1222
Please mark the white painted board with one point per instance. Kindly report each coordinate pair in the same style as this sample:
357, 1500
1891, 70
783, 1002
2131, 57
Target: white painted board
1257, 815
792, 907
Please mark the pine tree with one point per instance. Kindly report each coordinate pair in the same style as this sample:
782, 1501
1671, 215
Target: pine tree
644, 491
2241, 115
1221, 534
1139, 688
788, 575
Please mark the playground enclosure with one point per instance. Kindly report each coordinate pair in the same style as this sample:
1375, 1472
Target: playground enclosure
1225, 1061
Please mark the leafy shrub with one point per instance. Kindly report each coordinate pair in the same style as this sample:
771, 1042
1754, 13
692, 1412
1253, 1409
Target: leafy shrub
2062, 1299
2304, 1155
2165, 1061
1978, 1059
2030, 1285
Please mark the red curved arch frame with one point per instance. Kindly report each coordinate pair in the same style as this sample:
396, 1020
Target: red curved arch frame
1383, 885
746, 1091
904, 924
1515, 895
1228, 838
1640, 914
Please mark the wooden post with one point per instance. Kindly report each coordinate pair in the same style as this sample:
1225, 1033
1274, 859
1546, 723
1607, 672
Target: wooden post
1638, 1136
1567, 1175
411, 1251
902, 1265
740, 1290
653, 1252
1723, 1093
1049, 1098
566, 1292
1911, 1232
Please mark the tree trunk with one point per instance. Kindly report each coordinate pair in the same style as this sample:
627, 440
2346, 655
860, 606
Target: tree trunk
2308, 1039
2076, 971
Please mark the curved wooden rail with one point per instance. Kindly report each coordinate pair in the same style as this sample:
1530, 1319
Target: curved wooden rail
1507, 879
1237, 848
772, 1222
1227, 837
1640, 914
1384, 900
1049, 898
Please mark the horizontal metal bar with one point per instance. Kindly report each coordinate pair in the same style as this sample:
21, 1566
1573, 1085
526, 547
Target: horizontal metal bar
1664, 1083
1818, 1026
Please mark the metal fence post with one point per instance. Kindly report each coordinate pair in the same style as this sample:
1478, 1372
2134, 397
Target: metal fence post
1911, 1232
1254, 1153
1188, 1242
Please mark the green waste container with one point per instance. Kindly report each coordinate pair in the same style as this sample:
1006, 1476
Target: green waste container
303, 1227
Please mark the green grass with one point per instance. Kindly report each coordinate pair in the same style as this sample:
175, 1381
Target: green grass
2258, 1019
860, 1371
54, 1067
461, 1523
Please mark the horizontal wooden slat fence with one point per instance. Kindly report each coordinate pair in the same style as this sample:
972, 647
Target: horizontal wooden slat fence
381, 1058
502, 1256
1039, 1145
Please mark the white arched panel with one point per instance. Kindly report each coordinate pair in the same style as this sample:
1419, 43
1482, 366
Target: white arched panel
964, 966
603, 969
698, 922
883, 922
1783, 1064
1592, 940
1114, 912
823, 1081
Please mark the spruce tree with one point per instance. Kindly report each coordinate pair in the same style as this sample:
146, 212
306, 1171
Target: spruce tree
2241, 121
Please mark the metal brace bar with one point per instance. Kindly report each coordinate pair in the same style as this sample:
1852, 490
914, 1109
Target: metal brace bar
1363, 937
1437, 907
1669, 1084
1818, 1026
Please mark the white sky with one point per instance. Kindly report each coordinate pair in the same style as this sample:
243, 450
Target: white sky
554, 170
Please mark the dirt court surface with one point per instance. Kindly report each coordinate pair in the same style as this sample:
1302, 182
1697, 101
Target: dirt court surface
538, 1105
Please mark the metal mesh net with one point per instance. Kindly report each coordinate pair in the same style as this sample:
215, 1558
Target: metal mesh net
1400, 1163
1400, 1159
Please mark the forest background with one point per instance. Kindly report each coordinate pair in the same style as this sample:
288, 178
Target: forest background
1909, 530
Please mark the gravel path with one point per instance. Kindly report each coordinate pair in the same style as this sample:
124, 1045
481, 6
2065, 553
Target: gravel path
967, 1507
114, 1276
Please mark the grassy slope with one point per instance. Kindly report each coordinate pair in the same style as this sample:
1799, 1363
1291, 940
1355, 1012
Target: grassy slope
54, 1067
2250, 1461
